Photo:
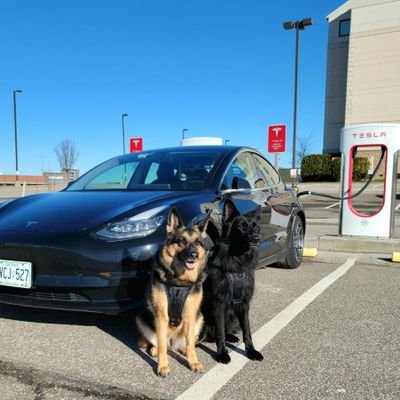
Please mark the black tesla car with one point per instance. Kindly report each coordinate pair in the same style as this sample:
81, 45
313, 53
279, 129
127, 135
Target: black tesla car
89, 246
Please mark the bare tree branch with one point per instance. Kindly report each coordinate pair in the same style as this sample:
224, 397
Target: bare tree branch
305, 146
67, 154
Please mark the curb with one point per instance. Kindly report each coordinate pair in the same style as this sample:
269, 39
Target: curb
353, 244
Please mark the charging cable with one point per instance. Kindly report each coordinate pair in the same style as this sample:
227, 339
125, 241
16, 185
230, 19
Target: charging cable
309, 192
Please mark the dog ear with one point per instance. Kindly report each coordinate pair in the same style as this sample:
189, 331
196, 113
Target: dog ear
202, 225
174, 221
230, 210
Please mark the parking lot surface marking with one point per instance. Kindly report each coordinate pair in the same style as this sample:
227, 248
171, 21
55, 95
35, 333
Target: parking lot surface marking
332, 205
208, 385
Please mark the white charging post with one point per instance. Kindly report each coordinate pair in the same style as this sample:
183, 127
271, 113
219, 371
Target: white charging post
356, 140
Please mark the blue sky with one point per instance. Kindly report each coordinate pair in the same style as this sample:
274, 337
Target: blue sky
221, 68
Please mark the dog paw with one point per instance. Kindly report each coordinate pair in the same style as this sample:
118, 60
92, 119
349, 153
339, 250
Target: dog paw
254, 355
152, 350
223, 358
183, 350
163, 371
231, 338
196, 367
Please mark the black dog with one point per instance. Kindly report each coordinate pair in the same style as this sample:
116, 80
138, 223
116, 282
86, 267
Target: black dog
230, 283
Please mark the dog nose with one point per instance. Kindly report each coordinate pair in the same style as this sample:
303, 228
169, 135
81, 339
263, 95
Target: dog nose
193, 254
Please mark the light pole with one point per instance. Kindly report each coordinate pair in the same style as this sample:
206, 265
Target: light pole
123, 131
16, 132
183, 132
299, 26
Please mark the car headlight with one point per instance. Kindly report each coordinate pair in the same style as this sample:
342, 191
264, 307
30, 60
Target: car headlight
138, 226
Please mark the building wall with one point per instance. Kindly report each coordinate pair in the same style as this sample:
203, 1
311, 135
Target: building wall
336, 85
373, 84
53, 178
371, 72
28, 179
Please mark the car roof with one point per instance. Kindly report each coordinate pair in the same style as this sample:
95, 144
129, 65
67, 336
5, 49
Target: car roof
182, 149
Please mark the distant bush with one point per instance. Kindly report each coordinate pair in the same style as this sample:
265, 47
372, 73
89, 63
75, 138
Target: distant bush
336, 168
325, 167
316, 167
360, 168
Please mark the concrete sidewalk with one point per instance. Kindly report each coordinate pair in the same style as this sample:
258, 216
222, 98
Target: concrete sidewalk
322, 223
323, 234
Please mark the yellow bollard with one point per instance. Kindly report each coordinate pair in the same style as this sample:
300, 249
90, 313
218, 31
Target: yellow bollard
311, 252
396, 256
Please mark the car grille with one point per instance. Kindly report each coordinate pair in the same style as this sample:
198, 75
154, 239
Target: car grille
47, 296
70, 297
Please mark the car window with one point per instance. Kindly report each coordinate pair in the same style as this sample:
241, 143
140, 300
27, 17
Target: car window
265, 174
183, 169
117, 177
240, 174
152, 173
186, 171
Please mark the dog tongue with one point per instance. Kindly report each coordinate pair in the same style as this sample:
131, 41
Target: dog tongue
190, 264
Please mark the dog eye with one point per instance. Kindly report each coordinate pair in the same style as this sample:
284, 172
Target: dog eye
198, 242
181, 241
245, 225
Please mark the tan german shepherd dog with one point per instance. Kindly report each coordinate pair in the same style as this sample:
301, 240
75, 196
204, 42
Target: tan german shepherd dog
171, 317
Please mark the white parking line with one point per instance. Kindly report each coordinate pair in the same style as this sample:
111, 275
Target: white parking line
377, 186
332, 205
218, 376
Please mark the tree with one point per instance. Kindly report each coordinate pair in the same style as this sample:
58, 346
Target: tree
67, 154
305, 145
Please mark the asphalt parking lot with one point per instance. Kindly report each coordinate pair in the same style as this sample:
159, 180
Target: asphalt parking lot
328, 330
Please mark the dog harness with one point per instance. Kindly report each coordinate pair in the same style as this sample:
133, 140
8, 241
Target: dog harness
177, 296
237, 285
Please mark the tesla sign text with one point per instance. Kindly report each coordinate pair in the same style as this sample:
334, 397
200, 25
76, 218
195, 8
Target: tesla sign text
277, 138
136, 144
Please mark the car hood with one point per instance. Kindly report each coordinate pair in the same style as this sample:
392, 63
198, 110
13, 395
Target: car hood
74, 211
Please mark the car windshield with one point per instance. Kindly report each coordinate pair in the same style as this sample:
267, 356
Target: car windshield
169, 170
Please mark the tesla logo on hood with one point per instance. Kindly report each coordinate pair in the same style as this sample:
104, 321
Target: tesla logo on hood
30, 223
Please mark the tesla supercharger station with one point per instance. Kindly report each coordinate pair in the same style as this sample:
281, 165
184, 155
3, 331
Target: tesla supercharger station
378, 139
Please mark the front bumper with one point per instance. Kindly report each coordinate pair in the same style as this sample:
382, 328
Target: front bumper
103, 301
79, 273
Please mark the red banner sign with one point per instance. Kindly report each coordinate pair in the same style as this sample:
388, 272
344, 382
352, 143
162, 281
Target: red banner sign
277, 138
136, 144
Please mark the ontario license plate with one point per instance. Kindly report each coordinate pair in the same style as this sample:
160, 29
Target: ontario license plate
16, 273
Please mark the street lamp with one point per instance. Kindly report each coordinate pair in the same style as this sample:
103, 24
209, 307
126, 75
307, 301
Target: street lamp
183, 132
299, 26
16, 132
123, 131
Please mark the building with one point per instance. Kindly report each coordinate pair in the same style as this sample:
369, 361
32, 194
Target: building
48, 178
363, 67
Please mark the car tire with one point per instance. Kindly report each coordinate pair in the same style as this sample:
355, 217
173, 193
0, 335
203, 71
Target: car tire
294, 256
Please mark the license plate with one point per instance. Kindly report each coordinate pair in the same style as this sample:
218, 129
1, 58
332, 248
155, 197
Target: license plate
16, 273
